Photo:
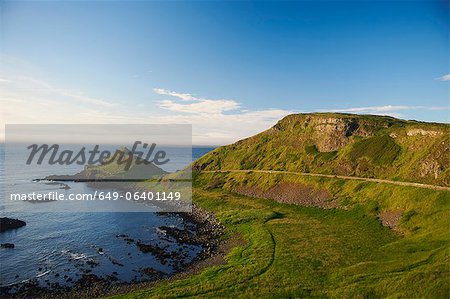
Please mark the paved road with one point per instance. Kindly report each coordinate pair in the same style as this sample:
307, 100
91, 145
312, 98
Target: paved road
410, 184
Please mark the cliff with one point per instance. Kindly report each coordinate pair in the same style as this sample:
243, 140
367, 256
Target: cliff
343, 144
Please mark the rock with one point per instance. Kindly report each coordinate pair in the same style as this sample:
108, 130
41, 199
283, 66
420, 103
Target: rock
8, 223
87, 280
390, 219
182, 236
65, 187
430, 167
115, 262
92, 263
7, 245
415, 132
152, 273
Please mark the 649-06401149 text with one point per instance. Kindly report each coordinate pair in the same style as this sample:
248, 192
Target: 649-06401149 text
98, 195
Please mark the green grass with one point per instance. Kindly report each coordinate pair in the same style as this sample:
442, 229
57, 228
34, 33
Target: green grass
378, 147
311, 150
294, 251
381, 150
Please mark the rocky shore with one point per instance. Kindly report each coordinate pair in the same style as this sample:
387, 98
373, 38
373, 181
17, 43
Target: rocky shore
9, 223
201, 228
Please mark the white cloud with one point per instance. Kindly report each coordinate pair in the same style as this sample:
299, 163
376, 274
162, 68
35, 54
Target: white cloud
197, 105
181, 96
27, 100
226, 128
444, 78
217, 121
201, 107
387, 109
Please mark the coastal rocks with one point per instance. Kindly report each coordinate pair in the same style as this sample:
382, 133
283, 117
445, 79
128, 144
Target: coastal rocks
7, 245
60, 184
180, 235
87, 282
207, 232
125, 238
65, 187
157, 251
92, 263
8, 223
115, 262
153, 273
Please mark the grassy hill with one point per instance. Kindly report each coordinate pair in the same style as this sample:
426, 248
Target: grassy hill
292, 251
344, 144
326, 237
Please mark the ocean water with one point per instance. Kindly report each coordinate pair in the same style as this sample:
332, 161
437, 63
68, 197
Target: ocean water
59, 247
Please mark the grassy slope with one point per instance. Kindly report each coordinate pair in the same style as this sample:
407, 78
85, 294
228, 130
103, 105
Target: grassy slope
311, 252
380, 147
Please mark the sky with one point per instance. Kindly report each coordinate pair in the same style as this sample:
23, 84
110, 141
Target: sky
231, 69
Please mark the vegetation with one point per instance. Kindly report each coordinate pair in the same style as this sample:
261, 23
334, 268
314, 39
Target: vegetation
381, 150
294, 251
343, 252
343, 144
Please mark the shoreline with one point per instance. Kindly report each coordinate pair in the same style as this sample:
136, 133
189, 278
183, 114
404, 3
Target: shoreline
209, 234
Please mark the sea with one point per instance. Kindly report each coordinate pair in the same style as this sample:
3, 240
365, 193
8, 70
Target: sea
61, 247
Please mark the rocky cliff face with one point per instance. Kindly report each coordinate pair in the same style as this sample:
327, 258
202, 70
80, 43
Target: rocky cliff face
345, 144
331, 133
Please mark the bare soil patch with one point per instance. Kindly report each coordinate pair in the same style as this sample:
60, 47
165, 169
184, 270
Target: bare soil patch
292, 193
390, 219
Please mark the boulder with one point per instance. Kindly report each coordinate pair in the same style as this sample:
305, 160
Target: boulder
7, 245
8, 223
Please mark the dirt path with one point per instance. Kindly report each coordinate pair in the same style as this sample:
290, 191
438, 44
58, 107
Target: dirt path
410, 184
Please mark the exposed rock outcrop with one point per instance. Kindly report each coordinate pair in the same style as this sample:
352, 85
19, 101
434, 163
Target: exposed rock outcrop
415, 132
7, 245
430, 166
368, 146
390, 219
8, 223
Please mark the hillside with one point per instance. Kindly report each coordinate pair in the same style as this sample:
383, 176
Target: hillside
369, 241
343, 144
333, 236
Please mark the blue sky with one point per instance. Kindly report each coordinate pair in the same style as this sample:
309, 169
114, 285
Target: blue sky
230, 68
